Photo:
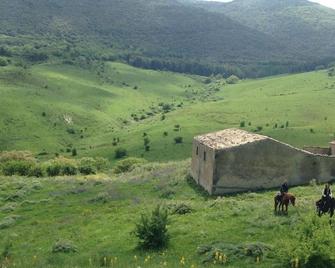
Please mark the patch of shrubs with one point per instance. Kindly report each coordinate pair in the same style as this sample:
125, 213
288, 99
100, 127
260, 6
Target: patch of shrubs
61, 166
64, 246
3, 62
319, 260
16, 167
178, 140
233, 79
87, 165
180, 209
128, 164
120, 153
151, 230
24, 164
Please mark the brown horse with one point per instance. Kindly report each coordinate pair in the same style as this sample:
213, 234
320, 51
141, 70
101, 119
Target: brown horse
284, 201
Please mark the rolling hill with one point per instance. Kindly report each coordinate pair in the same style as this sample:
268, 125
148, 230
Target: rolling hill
58, 107
246, 37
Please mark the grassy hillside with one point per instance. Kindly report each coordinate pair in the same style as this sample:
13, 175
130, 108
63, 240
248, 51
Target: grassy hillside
50, 108
97, 215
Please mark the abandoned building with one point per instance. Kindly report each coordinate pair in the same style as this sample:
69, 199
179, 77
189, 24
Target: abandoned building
234, 160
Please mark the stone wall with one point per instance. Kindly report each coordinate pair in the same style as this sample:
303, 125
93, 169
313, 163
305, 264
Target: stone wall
266, 164
332, 148
202, 168
318, 150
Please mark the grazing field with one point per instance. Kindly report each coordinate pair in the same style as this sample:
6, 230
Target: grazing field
52, 108
93, 218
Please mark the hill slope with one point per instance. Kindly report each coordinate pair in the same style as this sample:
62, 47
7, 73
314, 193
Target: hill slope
58, 107
306, 27
246, 37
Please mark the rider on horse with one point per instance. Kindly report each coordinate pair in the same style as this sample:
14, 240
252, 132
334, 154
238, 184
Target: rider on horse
283, 189
326, 194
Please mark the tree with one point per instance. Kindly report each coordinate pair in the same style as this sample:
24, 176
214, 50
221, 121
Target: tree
233, 79
152, 231
120, 153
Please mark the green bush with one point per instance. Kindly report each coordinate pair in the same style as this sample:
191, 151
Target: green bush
233, 79
101, 163
178, 140
36, 171
120, 153
152, 231
64, 246
53, 169
87, 165
3, 62
16, 167
61, 166
319, 260
128, 164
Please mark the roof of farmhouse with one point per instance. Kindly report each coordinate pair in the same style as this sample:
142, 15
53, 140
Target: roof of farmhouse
228, 138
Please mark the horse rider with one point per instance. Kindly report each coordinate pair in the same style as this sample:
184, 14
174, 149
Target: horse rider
326, 194
283, 190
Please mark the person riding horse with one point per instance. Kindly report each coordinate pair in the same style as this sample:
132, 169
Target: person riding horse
327, 203
283, 189
326, 194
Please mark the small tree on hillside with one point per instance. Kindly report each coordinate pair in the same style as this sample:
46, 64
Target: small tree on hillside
120, 153
233, 79
152, 231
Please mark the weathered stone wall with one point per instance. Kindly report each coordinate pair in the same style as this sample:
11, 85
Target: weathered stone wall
202, 170
266, 164
332, 148
318, 150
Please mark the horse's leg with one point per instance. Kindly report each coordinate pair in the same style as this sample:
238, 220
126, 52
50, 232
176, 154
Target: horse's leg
276, 204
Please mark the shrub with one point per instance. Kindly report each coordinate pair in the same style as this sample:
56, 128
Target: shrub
259, 128
181, 209
319, 260
87, 165
61, 166
128, 164
242, 124
233, 79
101, 163
36, 171
16, 167
74, 152
120, 153
178, 140
3, 62
16, 155
152, 231
64, 246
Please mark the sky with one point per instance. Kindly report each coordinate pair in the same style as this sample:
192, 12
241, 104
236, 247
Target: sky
328, 3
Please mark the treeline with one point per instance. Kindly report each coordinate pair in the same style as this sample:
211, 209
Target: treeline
242, 70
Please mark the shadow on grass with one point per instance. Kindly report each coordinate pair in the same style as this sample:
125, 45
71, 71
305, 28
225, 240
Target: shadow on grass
197, 188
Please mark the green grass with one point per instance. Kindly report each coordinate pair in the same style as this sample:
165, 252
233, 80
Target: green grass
100, 106
65, 208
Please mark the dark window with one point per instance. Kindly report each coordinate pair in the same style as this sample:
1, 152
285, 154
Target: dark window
197, 150
204, 156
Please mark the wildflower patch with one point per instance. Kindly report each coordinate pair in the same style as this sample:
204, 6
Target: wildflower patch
222, 253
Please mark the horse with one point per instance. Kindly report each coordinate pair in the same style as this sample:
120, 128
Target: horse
325, 207
284, 200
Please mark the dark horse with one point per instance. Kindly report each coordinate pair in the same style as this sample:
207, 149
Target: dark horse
284, 201
323, 207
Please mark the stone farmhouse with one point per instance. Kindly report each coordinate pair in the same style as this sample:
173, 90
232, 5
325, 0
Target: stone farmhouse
235, 160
